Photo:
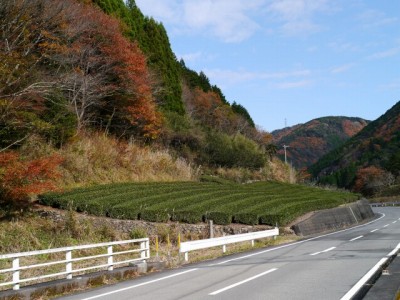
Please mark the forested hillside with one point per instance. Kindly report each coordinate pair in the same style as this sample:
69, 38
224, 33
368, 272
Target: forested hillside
91, 92
370, 161
310, 141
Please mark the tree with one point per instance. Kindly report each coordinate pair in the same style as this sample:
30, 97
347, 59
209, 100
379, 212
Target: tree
371, 180
20, 179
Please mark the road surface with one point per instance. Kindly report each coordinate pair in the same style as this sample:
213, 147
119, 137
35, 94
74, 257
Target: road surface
324, 267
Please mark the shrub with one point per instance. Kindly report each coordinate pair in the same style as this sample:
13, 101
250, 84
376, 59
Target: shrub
246, 218
271, 219
95, 208
154, 215
220, 218
191, 217
137, 233
123, 212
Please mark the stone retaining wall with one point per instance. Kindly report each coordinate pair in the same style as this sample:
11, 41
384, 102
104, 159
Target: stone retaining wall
200, 230
335, 218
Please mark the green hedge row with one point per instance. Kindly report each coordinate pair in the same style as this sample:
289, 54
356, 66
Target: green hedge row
194, 202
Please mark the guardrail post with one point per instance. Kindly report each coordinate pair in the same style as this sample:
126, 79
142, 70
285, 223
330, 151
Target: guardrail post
148, 248
15, 264
110, 259
223, 248
186, 256
68, 265
143, 252
252, 243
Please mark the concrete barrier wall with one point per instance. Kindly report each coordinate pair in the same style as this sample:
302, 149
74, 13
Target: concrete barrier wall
335, 218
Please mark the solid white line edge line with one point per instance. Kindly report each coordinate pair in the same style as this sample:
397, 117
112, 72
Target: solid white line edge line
140, 284
241, 282
296, 243
368, 275
229, 260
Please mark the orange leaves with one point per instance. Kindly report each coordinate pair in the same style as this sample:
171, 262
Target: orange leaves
351, 128
19, 178
125, 68
371, 179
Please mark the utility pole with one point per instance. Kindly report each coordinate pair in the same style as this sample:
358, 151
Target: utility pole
284, 147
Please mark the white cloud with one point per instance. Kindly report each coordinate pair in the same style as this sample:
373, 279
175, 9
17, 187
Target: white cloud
374, 18
344, 47
191, 57
293, 84
229, 20
165, 11
342, 68
393, 85
297, 15
229, 77
384, 54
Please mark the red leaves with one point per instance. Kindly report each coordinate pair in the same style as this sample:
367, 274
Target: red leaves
372, 179
19, 178
125, 67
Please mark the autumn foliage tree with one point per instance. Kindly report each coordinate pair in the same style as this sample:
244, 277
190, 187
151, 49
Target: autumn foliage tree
371, 180
20, 179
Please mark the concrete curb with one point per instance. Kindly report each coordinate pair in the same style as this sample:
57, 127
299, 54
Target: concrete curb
65, 286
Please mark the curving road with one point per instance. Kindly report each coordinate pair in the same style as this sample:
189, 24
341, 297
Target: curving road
324, 267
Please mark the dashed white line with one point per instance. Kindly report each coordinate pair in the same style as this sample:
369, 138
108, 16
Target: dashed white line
394, 222
295, 243
326, 250
386, 225
241, 282
374, 230
356, 238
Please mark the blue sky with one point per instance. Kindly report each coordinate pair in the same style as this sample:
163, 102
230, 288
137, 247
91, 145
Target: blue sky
290, 59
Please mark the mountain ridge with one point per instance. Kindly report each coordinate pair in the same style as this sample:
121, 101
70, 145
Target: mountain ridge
309, 141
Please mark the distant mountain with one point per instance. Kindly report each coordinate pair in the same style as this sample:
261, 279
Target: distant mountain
310, 141
376, 147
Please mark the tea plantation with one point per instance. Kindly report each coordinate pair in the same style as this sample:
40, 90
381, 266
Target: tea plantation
192, 202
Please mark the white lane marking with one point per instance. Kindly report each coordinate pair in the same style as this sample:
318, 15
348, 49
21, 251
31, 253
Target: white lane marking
386, 225
295, 243
394, 222
241, 282
374, 230
356, 238
326, 250
394, 251
140, 284
349, 295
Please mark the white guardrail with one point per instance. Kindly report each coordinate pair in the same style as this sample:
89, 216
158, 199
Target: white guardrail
225, 240
142, 248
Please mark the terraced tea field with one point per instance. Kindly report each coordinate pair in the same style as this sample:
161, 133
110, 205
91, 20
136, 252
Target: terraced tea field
193, 202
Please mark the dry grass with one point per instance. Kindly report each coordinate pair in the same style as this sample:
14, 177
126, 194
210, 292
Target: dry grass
101, 159
35, 233
274, 170
98, 159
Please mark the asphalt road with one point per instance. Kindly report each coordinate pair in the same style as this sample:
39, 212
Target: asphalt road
324, 267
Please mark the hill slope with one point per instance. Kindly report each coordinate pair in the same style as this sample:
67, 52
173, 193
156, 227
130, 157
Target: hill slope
310, 141
377, 145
